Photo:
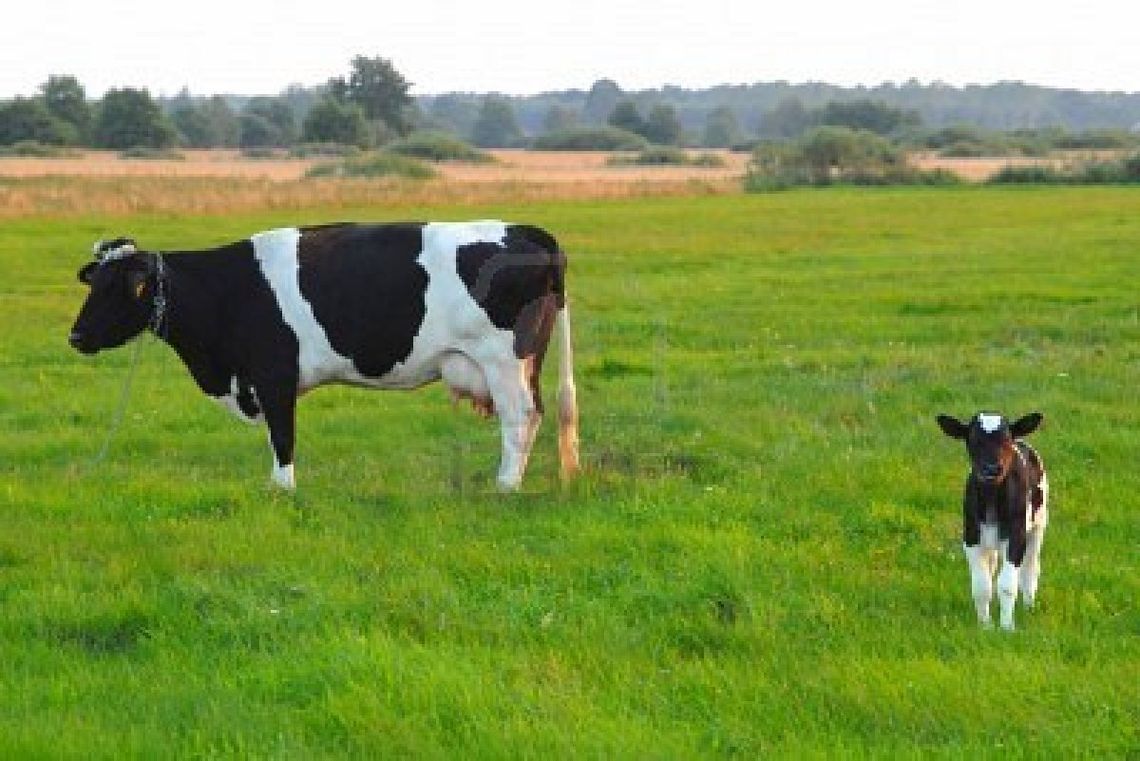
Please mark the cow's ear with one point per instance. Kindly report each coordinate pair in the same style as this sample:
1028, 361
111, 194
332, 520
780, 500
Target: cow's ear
136, 282
85, 271
952, 426
1026, 425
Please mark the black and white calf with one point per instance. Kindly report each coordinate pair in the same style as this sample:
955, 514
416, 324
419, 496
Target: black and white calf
1004, 509
392, 306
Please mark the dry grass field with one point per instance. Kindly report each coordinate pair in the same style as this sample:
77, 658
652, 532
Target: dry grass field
224, 181
208, 182
511, 166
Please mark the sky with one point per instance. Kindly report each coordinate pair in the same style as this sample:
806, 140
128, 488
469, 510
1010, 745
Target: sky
261, 46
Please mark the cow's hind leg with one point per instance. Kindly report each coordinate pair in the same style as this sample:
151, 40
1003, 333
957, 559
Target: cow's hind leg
1031, 568
519, 417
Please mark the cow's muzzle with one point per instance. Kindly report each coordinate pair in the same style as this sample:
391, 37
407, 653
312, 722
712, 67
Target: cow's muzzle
78, 343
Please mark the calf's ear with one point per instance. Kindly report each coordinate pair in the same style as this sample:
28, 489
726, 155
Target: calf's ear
85, 271
1026, 425
952, 426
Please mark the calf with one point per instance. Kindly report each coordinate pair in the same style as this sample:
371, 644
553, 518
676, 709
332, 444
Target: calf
395, 306
1004, 509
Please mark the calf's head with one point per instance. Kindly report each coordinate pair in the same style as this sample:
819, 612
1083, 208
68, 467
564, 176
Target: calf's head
120, 304
989, 441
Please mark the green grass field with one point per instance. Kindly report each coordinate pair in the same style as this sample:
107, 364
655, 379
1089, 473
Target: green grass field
762, 558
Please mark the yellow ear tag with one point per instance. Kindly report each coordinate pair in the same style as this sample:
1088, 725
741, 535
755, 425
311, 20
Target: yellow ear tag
139, 289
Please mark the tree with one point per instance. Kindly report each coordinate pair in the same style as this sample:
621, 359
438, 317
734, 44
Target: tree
662, 126
559, 118
130, 118
787, 120
721, 128
66, 100
258, 132
454, 112
626, 116
601, 100
193, 126
334, 121
827, 150
496, 127
278, 113
206, 124
380, 90
867, 114
30, 119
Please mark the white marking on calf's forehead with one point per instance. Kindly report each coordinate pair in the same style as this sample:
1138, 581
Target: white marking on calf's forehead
119, 252
989, 422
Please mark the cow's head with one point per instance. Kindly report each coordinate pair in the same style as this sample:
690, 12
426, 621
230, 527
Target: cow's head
989, 441
121, 302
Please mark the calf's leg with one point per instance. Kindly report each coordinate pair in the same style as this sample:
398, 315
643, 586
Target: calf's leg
981, 580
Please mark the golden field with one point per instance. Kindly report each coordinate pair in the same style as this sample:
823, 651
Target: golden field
217, 181
100, 182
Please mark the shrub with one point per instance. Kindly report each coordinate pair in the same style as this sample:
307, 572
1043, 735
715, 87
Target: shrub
37, 150
324, 150
379, 164
835, 156
664, 155
149, 153
590, 139
438, 146
262, 153
1123, 171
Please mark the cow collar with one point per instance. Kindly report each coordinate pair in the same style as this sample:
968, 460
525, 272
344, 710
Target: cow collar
158, 320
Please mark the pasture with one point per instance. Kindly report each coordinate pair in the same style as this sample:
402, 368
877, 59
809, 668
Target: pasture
763, 556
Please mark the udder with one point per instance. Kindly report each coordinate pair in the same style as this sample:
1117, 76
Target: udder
465, 380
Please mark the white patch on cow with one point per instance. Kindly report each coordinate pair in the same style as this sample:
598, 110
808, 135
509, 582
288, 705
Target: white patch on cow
318, 362
988, 422
230, 402
456, 340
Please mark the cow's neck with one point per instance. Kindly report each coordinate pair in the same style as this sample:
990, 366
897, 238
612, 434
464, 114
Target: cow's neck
192, 324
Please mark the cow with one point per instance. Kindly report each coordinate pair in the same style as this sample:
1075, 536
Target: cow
260, 321
1004, 509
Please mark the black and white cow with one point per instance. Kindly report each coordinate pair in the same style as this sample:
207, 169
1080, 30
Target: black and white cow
1004, 509
390, 306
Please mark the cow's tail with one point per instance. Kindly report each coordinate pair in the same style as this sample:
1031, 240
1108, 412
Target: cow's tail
567, 398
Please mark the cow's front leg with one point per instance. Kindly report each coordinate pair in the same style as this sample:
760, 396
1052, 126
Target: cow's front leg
981, 580
278, 404
1007, 591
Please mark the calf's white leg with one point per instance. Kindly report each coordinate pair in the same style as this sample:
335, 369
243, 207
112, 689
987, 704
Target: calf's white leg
981, 580
1007, 590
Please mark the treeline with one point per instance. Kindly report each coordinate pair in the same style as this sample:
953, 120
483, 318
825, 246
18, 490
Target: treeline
370, 106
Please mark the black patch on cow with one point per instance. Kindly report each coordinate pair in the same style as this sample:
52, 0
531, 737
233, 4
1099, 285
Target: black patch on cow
366, 290
518, 283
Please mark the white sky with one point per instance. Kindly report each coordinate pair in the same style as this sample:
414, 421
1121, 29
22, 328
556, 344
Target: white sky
260, 46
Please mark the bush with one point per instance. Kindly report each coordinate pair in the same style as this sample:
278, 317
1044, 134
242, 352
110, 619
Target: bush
1123, 171
438, 146
379, 164
263, 153
835, 156
663, 155
151, 154
590, 139
324, 150
36, 150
